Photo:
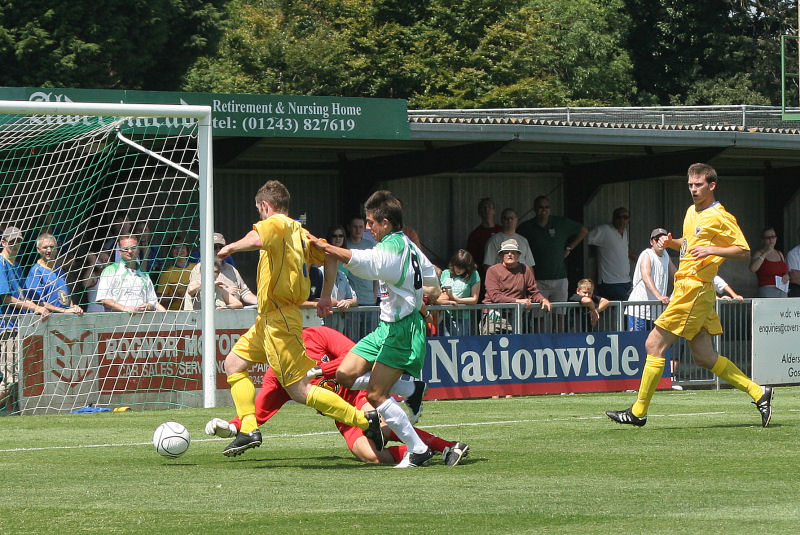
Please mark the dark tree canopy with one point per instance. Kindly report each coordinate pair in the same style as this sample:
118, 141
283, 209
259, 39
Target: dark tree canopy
127, 44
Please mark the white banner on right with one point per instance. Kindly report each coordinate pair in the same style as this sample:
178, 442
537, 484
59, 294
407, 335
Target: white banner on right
776, 341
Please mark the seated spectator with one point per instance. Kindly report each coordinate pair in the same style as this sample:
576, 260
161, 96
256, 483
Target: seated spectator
123, 287
461, 285
584, 294
174, 278
227, 279
770, 266
224, 294
93, 266
12, 298
46, 284
342, 297
510, 281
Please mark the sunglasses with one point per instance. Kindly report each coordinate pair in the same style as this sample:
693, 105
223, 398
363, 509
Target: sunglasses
129, 248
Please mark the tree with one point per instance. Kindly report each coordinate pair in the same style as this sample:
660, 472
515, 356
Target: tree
435, 53
129, 44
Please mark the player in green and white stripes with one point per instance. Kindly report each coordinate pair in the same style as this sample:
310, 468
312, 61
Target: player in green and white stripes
398, 344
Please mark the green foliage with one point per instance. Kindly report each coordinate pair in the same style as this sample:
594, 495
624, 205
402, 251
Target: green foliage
540, 464
130, 44
435, 53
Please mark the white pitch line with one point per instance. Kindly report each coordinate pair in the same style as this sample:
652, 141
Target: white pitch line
322, 433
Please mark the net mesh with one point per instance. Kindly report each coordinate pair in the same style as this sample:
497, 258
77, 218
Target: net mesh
84, 182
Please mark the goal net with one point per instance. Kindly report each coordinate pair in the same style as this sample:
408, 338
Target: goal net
103, 210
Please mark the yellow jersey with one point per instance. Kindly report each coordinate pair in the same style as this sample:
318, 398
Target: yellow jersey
713, 226
283, 265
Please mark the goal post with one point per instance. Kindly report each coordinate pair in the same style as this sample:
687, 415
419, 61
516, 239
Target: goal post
85, 174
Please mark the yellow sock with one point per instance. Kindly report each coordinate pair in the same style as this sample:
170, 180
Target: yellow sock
651, 374
243, 393
332, 405
730, 373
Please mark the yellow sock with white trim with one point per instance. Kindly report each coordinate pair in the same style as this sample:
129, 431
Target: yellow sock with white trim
730, 373
332, 405
243, 392
651, 374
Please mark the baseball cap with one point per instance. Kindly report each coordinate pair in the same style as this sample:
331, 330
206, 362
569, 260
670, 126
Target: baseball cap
658, 232
12, 233
218, 238
509, 245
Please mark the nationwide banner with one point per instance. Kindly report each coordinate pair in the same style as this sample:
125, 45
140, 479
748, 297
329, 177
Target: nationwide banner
501, 365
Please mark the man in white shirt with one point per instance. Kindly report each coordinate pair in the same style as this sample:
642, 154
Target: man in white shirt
509, 221
793, 259
123, 287
613, 256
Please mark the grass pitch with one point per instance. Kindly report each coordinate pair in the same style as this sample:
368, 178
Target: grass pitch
543, 464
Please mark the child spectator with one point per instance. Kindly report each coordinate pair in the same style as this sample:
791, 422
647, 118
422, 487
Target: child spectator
461, 285
584, 294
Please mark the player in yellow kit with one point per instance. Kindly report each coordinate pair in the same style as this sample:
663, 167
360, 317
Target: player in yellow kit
710, 235
277, 336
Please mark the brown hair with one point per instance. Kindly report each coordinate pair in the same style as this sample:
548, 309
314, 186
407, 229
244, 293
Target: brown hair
462, 259
276, 194
704, 170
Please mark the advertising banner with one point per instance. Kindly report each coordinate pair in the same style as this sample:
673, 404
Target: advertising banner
776, 330
243, 115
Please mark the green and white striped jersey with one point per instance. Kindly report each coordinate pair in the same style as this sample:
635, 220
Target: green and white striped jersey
400, 268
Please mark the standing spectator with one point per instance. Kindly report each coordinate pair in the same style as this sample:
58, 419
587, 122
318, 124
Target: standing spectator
93, 267
46, 284
342, 296
552, 240
461, 285
174, 279
12, 297
509, 220
227, 280
476, 241
150, 262
510, 281
651, 276
793, 261
613, 256
123, 287
724, 290
366, 290
120, 226
769, 265
594, 304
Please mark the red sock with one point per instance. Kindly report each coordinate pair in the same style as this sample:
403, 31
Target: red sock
435, 443
432, 441
397, 452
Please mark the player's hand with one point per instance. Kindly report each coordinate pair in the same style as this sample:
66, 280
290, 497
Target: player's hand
314, 372
701, 251
324, 307
664, 240
224, 253
316, 242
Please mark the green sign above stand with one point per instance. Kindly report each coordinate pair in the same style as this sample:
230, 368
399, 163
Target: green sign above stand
257, 115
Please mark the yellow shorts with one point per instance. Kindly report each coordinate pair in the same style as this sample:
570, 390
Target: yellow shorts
690, 309
277, 338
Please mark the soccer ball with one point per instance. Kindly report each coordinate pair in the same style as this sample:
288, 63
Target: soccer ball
171, 439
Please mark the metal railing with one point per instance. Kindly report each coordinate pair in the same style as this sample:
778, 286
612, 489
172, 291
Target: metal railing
476, 320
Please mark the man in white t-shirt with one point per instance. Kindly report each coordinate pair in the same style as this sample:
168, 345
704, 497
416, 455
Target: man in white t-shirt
508, 221
123, 287
793, 259
613, 256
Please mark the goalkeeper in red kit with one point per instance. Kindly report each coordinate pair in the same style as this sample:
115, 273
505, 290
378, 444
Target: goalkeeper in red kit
328, 347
